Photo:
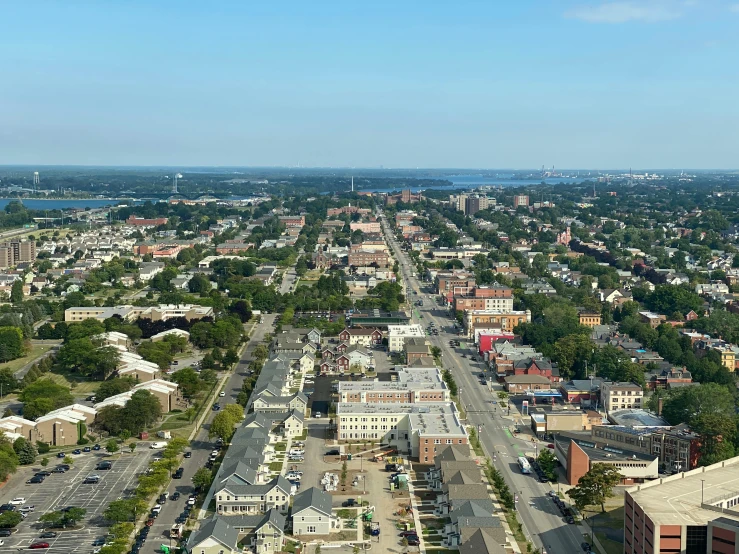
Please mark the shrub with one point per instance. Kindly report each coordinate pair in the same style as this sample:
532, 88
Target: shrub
83, 441
42, 447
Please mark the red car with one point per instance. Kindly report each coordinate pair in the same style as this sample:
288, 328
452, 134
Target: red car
37, 545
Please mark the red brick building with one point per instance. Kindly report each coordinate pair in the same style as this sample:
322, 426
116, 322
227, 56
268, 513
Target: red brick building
141, 222
362, 258
292, 220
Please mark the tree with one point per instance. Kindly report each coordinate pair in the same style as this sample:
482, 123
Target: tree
43, 396
202, 478
25, 451
572, 353
111, 446
123, 510
44, 461
132, 447
111, 387
16, 292
595, 486
9, 520
236, 411
230, 357
222, 426
8, 457
548, 462
8, 382
208, 362
11, 339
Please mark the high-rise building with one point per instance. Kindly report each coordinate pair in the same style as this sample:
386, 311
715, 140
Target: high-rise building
474, 204
17, 251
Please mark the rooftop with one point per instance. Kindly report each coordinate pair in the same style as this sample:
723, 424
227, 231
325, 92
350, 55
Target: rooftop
637, 418
676, 500
426, 418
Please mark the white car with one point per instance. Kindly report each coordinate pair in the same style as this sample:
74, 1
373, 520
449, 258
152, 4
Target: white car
222, 394
156, 509
295, 475
18, 501
296, 452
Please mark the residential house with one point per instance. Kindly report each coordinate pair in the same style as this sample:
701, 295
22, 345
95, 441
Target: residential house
216, 536
233, 496
311, 513
360, 335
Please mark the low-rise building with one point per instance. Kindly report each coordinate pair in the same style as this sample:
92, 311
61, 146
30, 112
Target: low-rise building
507, 320
412, 386
312, 514
621, 396
397, 335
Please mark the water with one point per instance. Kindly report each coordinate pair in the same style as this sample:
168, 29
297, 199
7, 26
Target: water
56, 204
468, 181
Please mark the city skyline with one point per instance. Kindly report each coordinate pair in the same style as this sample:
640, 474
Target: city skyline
587, 85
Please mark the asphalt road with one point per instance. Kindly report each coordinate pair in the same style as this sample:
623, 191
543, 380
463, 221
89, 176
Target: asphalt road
542, 522
201, 446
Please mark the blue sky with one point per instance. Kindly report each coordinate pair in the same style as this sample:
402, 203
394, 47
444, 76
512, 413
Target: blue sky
478, 84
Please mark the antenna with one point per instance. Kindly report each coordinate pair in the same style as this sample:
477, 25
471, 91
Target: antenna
352, 183
35, 180
174, 187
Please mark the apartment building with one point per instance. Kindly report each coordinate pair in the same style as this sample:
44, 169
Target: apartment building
412, 386
415, 429
235, 497
361, 258
495, 297
589, 319
17, 251
520, 200
621, 396
143, 222
366, 226
692, 512
397, 335
507, 319
292, 220
163, 312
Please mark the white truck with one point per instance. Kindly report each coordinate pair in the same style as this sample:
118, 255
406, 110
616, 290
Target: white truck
158, 444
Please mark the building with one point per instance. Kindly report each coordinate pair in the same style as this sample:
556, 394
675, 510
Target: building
216, 536
495, 297
375, 318
363, 336
692, 512
311, 513
163, 312
412, 386
520, 200
652, 319
417, 429
292, 220
366, 226
235, 496
589, 319
397, 335
578, 454
474, 204
362, 258
517, 384
227, 248
17, 251
143, 222
507, 319
621, 396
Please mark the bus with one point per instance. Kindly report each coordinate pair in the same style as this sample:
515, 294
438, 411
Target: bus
523, 463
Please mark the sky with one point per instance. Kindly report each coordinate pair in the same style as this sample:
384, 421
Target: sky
431, 84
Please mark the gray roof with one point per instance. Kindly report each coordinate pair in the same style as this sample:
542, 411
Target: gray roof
456, 452
465, 492
218, 529
238, 470
484, 521
259, 419
478, 507
312, 498
481, 541
462, 477
237, 487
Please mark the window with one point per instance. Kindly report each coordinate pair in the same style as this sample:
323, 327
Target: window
311, 528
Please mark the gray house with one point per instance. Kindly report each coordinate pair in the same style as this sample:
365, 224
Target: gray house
311, 513
264, 534
233, 496
216, 536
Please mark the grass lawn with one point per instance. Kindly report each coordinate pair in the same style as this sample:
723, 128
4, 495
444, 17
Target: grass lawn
275, 466
77, 385
280, 447
36, 351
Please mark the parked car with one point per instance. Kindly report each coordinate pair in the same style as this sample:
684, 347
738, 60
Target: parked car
409, 533
47, 535
585, 546
176, 495
35, 480
42, 473
334, 452
349, 503
413, 540
216, 407
86, 449
188, 454
39, 544
60, 454
96, 447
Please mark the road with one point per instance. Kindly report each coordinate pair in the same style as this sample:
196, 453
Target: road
543, 524
201, 446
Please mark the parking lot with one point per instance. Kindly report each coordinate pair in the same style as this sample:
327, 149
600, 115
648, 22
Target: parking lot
60, 490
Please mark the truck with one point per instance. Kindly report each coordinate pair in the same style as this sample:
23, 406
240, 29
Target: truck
175, 532
158, 444
374, 528
164, 435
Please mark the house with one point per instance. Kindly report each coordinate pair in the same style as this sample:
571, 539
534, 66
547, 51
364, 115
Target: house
233, 496
480, 541
264, 534
521, 383
264, 403
364, 336
293, 424
311, 513
216, 536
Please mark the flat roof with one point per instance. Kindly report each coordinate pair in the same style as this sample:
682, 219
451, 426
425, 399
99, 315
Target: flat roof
637, 418
426, 417
676, 500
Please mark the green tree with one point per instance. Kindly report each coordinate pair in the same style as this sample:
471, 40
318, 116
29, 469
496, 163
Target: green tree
111, 446
44, 461
208, 362
43, 396
25, 451
11, 340
572, 353
548, 463
111, 387
123, 510
235, 411
222, 426
16, 292
132, 447
230, 357
8, 382
202, 478
9, 520
595, 487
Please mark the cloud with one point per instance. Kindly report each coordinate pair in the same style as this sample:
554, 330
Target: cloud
627, 11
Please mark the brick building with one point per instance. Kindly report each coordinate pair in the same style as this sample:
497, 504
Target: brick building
361, 258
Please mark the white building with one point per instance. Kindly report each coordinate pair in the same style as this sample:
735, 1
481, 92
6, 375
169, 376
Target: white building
398, 333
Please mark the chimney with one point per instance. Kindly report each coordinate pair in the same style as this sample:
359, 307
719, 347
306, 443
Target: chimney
660, 401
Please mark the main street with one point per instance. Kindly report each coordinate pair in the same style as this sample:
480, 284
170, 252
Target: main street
543, 524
